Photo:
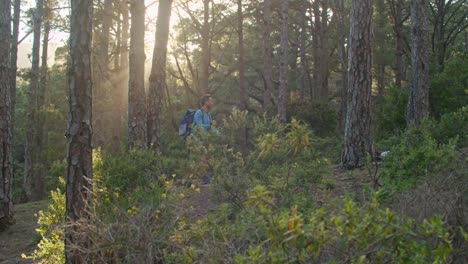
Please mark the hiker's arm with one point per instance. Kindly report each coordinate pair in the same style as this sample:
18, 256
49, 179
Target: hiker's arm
198, 120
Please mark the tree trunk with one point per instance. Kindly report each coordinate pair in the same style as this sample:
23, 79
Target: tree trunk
358, 119
243, 96
320, 50
118, 44
125, 26
203, 83
324, 53
79, 134
283, 86
14, 55
418, 103
157, 79
32, 191
103, 122
340, 14
241, 65
6, 172
304, 75
39, 172
397, 10
316, 51
380, 38
267, 56
136, 85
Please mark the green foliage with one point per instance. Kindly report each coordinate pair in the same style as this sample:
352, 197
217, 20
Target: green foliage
348, 232
320, 116
57, 171
51, 248
448, 90
416, 154
128, 171
391, 117
452, 125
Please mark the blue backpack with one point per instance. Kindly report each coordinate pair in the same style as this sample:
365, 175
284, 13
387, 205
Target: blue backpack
185, 125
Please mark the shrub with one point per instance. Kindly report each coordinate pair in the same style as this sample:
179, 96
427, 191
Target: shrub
356, 234
415, 154
448, 89
320, 116
391, 116
452, 125
128, 171
51, 248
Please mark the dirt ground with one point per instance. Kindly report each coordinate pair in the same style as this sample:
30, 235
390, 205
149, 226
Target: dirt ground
19, 238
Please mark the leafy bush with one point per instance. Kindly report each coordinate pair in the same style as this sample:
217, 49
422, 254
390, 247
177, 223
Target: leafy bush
415, 154
128, 171
320, 116
51, 248
348, 232
391, 116
355, 233
448, 89
451, 126
130, 201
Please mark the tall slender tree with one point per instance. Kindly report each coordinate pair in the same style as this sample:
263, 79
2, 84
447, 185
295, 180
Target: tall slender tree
79, 133
158, 84
283, 79
241, 63
396, 8
304, 75
321, 49
6, 170
33, 186
418, 103
267, 54
136, 85
358, 140
241, 67
205, 62
103, 122
14, 53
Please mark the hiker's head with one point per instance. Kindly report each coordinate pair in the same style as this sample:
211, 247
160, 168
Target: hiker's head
207, 101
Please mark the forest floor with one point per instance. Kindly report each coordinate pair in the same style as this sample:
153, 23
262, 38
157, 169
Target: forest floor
19, 238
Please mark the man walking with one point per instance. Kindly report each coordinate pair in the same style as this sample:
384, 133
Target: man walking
202, 116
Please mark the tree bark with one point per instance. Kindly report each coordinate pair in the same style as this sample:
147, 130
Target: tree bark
343, 58
14, 55
358, 118
6, 171
418, 103
397, 13
39, 172
283, 86
158, 76
380, 37
320, 50
241, 65
79, 134
243, 96
267, 56
136, 85
103, 122
124, 60
304, 76
203, 83
31, 185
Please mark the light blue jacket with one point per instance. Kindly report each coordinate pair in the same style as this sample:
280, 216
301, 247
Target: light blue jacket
202, 119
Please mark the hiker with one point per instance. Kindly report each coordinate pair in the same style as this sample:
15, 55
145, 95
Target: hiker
202, 116
203, 119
